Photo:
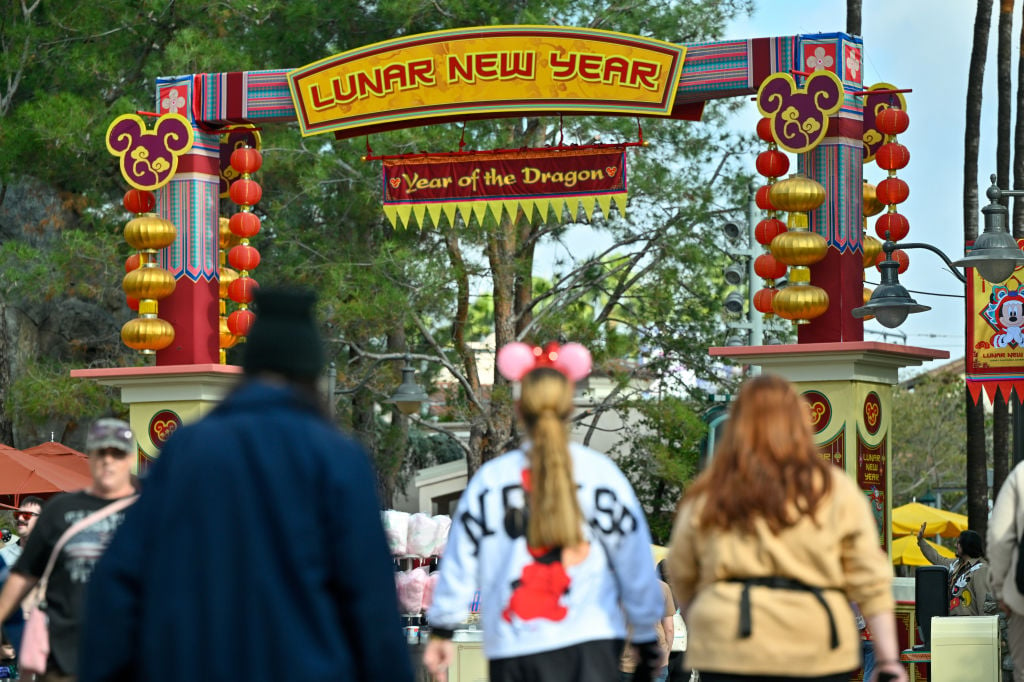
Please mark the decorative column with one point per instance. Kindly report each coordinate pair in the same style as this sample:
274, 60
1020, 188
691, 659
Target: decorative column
189, 201
838, 164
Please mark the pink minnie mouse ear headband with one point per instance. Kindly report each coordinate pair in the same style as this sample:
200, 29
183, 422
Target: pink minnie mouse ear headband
516, 359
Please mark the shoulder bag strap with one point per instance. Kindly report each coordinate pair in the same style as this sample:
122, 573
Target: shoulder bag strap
72, 530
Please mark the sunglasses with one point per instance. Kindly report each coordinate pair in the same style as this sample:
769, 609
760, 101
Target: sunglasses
24, 516
116, 453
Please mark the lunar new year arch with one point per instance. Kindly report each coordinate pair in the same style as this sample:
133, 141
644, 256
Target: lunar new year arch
500, 72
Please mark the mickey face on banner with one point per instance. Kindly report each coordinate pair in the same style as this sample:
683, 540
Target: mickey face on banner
1005, 314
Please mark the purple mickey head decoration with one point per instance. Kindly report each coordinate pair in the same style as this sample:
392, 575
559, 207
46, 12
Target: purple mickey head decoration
800, 115
874, 104
149, 158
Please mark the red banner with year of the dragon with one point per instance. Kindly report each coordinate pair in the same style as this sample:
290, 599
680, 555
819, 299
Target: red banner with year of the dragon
475, 184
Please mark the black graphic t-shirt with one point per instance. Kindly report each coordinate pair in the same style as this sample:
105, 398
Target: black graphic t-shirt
71, 572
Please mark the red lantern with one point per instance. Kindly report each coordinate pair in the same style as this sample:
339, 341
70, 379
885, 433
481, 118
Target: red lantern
242, 289
900, 256
132, 263
772, 163
246, 192
768, 267
763, 300
240, 322
133, 303
892, 156
761, 199
768, 229
892, 191
244, 257
246, 160
139, 201
892, 226
764, 130
892, 121
244, 224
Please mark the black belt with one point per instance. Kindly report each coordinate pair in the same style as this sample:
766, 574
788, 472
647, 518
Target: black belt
779, 584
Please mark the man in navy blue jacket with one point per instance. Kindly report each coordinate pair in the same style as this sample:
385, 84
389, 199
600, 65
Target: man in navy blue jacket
256, 550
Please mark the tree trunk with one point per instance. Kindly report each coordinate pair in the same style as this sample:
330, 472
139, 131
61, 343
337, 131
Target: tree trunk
6, 358
1004, 82
977, 483
1000, 441
1001, 409
853, 16
1017, 217
395, 443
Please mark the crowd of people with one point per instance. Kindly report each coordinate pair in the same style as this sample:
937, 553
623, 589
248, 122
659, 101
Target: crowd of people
236, 556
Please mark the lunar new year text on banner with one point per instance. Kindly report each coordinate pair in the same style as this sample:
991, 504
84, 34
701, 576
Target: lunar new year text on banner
995, 335
495, 70
531, 180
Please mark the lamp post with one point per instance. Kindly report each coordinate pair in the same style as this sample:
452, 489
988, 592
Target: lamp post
995, 254
409, 396
994, 257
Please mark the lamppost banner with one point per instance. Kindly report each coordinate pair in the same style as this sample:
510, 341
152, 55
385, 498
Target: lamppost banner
995, 335
528, 180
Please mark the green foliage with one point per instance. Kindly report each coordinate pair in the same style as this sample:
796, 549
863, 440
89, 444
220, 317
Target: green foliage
68, 68
658, 453
44, 390
928, 432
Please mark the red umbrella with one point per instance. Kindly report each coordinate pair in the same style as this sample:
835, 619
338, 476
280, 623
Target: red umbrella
58, 453
23, 474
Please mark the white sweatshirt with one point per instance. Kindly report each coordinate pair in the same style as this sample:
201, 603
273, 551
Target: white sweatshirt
615, 583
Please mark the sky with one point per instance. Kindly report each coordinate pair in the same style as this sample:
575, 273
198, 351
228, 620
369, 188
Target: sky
923, 45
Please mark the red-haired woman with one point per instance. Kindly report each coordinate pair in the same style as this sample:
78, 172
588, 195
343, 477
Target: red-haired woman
770, 546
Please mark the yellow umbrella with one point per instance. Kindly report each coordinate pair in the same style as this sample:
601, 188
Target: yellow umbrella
658, 553
907, 520
905, 552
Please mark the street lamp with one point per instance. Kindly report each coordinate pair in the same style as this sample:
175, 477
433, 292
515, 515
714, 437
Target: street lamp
409, 396
995, 253
890, 302
994, 257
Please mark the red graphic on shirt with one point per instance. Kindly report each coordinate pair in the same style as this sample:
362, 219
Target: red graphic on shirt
537, 592
539, 589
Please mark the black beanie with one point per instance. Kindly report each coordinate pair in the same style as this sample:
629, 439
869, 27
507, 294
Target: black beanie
284, 338
970, 543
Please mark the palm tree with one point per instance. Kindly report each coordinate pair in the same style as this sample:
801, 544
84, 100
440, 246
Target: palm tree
977, 483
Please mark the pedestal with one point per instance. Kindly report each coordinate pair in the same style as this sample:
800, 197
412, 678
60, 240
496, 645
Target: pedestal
162, 398
848, 387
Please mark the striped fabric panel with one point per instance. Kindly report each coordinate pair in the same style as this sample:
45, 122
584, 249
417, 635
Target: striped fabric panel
191, 204
839, 167
269, 97
716, 67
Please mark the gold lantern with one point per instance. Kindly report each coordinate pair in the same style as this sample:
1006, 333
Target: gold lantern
872, 207
226, 240
798, 248
147, 234
147, 334
801, 304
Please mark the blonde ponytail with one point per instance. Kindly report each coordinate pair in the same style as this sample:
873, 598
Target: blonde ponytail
555, 516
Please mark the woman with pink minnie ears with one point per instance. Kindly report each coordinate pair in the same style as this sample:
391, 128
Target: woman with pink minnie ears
553, 537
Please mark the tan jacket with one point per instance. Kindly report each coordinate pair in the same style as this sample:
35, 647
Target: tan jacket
1004, 530
790, 629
